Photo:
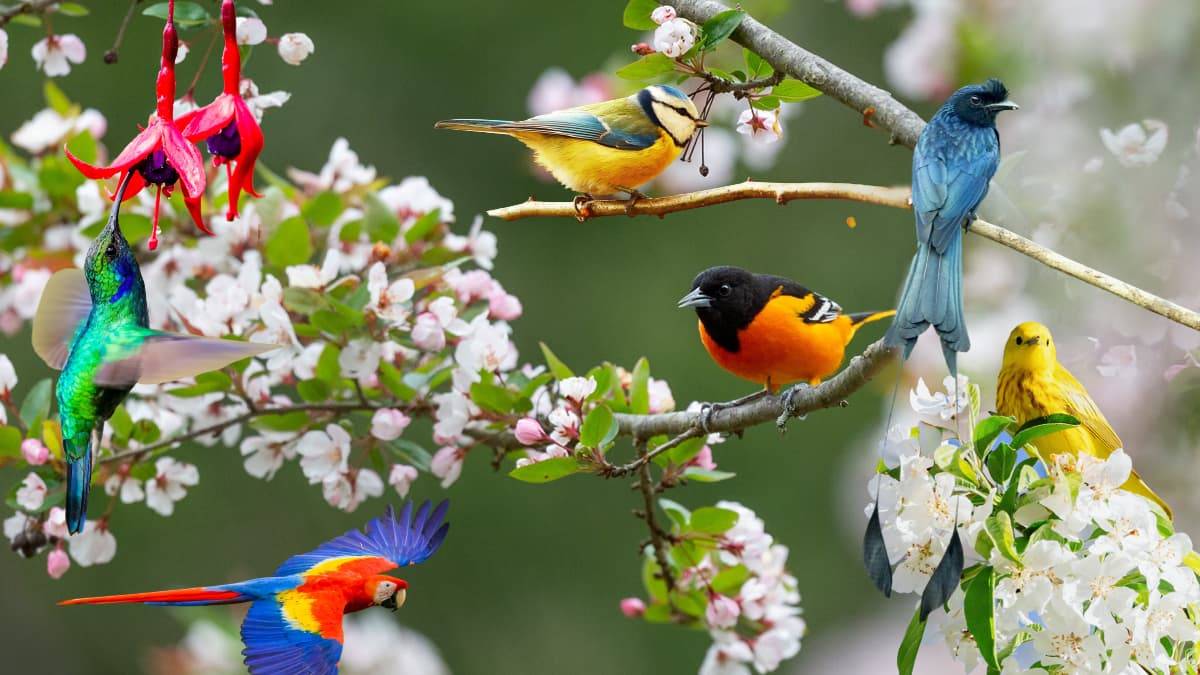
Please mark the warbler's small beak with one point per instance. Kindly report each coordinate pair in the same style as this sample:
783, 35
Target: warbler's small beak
1003, 105
701, 123
1034, 340
696, 298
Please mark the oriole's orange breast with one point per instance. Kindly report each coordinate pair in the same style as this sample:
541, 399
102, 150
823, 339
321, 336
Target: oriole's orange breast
779, 347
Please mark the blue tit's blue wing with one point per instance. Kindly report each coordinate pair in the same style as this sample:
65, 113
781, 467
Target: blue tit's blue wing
621, 131
946, 189
387, 542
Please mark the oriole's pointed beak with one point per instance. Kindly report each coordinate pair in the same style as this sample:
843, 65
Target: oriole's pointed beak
1003, 105
696, 298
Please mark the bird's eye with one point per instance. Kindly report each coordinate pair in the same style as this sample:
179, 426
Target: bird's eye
975, 100
1019, 339
111, 251
724, 290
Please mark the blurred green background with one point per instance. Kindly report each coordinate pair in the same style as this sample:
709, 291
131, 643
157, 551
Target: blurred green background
531, 575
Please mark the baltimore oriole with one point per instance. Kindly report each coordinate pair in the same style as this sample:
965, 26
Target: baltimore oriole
769, 329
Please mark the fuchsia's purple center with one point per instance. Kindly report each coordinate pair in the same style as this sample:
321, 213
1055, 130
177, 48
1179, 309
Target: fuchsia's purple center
157, 170
226, 143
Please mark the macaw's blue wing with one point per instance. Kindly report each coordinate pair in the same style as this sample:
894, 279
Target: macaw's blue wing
945, 193
282, 643
395, 540
586, 126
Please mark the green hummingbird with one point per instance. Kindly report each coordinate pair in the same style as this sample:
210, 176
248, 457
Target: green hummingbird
93, 325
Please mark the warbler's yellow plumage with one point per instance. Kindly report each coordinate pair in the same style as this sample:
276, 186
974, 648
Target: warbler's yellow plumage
1034, 384
607, 147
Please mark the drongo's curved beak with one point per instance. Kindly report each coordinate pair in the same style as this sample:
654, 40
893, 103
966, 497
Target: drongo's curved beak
696, 298
1003, 105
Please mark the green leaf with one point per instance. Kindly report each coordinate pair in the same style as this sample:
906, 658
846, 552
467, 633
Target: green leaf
720, 27
303, 300
649, 67
392, 379
792, 91
979, 609
493, 397
756, 66
675, 511
83, 146
186, 13
381, 223
289, 243
706, 475
423, 227
906, 657
765, 103
15, 200
652, 580
314, 391
36, 405
999, 528
73, 9
729, 580
206, 383
413, 453
27, 20
56, 100
599, 428
58, 178
1001, 462
987, 430
327, 364
1009, 501
1036, 428
639, 389
143, 471
323, 208
10, 442
685, 451
121, 422
547, 470
292, 421
558, 369
713, 520
637, 14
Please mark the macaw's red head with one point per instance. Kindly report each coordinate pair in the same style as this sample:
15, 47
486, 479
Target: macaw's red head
387, 592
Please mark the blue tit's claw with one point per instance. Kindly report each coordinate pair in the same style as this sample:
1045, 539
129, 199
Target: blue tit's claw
581, 203
789, 405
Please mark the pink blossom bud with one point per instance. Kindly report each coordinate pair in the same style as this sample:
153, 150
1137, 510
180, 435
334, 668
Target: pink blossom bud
633, 607
663, 14
722, 612
427, 333
704, 459
641, 49
57, 563
504, 306
530, 432
388, 423
34, 451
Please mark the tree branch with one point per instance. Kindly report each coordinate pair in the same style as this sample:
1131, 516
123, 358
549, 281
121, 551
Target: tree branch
656, 538
873, 103
896, 197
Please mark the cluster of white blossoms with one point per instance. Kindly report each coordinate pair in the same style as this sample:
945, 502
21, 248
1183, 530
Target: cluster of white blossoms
1086, 577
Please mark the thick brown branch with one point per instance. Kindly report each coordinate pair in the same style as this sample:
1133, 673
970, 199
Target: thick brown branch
896, 197
786, 56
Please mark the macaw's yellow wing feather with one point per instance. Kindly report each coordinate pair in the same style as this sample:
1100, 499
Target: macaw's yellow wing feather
64, 306
153, 357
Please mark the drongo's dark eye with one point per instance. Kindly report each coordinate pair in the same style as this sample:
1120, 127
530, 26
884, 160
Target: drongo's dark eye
975, 100
724, 290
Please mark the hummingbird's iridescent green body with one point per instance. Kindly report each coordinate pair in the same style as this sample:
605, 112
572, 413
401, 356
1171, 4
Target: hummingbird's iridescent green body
118, 313
95, 327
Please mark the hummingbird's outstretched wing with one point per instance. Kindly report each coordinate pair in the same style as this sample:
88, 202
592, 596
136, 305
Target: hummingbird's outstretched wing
145, 356
64, 306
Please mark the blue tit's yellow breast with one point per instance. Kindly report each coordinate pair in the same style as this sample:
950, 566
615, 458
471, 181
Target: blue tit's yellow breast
595, 169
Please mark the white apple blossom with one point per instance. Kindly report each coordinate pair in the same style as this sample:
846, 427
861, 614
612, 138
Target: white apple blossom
941, 409
402, 477
54, 54
258, 102
8, 375
761, 126
95, 545
169, 484
3, 47
360, 358
295, 47
311, 276
447, 464
250, 30
32, 493
1119, 361
341, 173
663, 14
389, 301
48, 129
1133, 146
129, 489
347, 491
56, 523
323, 453
675, 37
267, 452
577, 389
388, 423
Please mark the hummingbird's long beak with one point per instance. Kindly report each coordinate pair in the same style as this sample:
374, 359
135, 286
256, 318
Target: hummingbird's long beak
696, 298
1003, 105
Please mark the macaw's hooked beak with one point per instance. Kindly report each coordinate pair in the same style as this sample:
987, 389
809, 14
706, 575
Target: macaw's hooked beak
696, 298
1003, 105
396, 601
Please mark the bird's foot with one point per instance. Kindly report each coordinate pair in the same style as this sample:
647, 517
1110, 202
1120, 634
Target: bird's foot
708, 409
634, 197
789, 405
582, 205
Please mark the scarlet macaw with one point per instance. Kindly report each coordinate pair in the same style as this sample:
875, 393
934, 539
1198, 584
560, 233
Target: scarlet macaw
295, 620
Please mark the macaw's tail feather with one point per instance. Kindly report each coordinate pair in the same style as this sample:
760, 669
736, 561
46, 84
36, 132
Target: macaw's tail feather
860, 319
79, 484
932, 296
183, 596
479, 126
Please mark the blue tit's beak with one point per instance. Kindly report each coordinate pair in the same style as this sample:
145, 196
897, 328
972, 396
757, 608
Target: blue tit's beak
1003, 105
701, 123
696, 298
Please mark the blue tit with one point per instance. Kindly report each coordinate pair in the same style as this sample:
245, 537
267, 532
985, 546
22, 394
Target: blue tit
607, 147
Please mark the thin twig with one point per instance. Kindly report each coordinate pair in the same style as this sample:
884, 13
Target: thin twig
191, 90
896, 197
656, 538
645, 458
791, 59
112, 54
720, 85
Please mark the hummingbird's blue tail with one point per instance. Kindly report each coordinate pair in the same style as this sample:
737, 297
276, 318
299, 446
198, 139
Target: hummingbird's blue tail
79, 483
932, 296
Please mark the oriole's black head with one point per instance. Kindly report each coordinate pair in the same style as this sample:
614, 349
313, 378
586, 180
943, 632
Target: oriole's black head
728, 298
979, 104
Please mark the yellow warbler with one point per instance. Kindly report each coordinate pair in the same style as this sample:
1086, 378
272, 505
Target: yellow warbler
1034, 384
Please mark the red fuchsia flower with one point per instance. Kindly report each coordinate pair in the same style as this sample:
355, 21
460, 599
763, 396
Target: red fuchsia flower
159, 155
233, 136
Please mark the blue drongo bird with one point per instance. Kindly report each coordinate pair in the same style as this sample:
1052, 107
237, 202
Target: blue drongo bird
955, 158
